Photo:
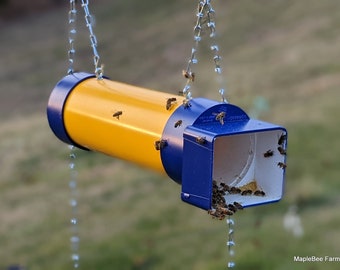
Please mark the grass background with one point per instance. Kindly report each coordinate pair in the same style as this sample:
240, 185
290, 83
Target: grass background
129, 218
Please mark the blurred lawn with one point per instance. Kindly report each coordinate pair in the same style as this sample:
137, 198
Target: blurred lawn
130, 218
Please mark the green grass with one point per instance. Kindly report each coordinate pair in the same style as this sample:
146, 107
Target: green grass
129, 217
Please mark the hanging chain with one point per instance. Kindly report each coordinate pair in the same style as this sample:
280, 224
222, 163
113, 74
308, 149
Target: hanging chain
98, 69
72, 19
230, 241
72, 15
193, 60
211, 24
74, 239
205, 17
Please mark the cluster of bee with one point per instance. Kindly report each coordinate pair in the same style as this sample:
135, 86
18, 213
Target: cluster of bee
220, 209
282, 151
244, 191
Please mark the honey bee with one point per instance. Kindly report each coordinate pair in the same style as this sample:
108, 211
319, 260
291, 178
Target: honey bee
238, 206
246, 192
268, 153
225, 187
201, 140
221, 200
226, 211
216, 213
282, 165
117, 114
186, 104
188, 75
282, 151
220, 117
178, 123
259, 193
170, 102
234, 190
160, 144
282, 139
232, 207
211, 211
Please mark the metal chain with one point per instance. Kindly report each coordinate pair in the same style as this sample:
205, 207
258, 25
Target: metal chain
74, 239
205, 17
98, 69
72, 18
193, 60
211, 24
230, 241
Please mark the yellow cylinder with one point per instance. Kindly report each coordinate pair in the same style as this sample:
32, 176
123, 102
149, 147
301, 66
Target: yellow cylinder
125, 120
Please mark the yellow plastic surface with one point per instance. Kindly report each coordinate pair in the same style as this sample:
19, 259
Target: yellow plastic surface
89, 119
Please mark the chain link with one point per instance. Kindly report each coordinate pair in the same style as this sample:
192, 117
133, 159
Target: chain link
72, 19
193, 60
74, 239
98, 69
205, 18
211, 24
230, 242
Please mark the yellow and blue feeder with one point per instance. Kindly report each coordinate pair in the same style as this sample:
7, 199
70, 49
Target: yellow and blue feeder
197, 143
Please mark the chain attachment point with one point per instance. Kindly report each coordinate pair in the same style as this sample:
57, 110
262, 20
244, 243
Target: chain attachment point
204, 18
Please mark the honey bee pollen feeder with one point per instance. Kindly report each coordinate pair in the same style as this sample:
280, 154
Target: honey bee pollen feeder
195, 143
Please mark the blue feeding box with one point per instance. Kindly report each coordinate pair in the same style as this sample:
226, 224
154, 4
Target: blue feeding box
217, 146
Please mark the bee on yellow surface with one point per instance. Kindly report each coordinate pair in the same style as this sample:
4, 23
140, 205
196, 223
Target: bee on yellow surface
170, 102
117, 114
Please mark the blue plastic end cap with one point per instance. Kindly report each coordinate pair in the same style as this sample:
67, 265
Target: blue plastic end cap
56, 102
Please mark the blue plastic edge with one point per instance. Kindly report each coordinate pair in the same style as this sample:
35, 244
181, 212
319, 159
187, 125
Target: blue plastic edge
56, 102
201, 113
172, 154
